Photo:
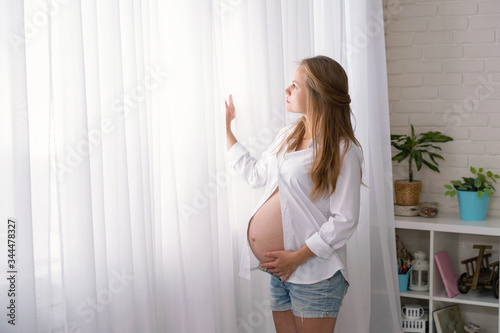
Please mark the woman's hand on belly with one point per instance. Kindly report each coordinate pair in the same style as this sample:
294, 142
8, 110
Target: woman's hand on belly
286, 262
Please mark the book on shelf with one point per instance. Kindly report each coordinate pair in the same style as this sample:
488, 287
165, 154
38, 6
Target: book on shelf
449, 319
447, 273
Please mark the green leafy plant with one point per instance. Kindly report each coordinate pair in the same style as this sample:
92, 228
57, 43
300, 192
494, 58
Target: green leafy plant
480, 183
415, 147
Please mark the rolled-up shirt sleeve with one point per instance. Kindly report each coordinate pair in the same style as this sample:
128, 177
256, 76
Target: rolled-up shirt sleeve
343, 211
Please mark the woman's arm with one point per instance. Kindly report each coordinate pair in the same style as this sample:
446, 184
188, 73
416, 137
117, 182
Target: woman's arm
344, 208
239, 159
230, 115
253, 170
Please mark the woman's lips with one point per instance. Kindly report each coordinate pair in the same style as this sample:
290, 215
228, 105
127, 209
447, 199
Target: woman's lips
287, 101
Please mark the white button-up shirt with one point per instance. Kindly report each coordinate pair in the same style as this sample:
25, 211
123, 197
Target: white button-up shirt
325, 225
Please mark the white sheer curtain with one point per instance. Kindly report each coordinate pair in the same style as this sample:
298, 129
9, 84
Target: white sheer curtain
374, 242
113, 155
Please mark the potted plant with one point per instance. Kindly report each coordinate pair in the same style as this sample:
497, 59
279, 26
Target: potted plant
472, 201
417, 149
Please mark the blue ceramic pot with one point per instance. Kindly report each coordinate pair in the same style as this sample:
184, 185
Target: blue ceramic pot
471, 207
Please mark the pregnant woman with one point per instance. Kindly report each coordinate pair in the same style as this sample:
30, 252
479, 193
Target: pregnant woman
310, 208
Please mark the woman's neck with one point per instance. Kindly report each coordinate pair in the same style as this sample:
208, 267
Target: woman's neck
308, 131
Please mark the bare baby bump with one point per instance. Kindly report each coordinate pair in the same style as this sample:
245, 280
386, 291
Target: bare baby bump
265, 230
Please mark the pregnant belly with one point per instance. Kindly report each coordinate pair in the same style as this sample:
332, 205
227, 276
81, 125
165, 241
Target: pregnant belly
265, 229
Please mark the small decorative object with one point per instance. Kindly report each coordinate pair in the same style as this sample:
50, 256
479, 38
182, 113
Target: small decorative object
480, 274
447, 273
419, 277
404, 268
414, 319
414, 148
449, 319
412, 312
403, 282
428, 209
472, 201
472, 328
401, 248
405, 210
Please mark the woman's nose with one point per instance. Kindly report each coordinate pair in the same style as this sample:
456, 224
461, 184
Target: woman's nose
287, 92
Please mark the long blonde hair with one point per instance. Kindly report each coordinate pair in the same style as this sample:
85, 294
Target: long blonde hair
329, 117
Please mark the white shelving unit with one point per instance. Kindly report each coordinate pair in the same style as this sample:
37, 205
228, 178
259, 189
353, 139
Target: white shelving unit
449, 233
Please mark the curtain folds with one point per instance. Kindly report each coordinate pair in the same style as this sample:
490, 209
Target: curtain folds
113, 156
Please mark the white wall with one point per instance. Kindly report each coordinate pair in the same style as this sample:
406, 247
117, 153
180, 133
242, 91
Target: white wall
443, 64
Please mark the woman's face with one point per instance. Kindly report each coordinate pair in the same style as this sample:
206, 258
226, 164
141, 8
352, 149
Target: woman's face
296, 93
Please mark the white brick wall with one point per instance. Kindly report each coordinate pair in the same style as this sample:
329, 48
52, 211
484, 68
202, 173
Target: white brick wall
464, 65
489, 7
435, 37
474, 37
460, 9
443, 68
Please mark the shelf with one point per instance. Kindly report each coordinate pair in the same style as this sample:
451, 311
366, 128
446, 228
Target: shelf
415, 294
449, 223
472, 298
449, 233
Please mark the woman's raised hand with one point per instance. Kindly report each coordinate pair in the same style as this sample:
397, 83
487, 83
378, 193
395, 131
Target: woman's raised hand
230, 112
230, 115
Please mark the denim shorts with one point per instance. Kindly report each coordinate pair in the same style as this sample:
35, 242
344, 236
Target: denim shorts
317, 300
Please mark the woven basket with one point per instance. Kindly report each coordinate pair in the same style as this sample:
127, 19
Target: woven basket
407, 193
